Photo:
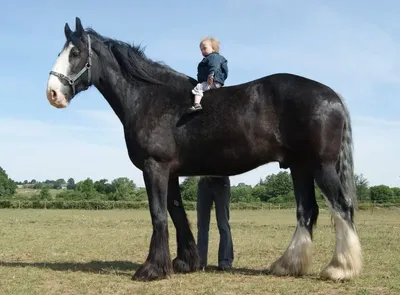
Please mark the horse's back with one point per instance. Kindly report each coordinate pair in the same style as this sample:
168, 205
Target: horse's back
281, 96
273, 118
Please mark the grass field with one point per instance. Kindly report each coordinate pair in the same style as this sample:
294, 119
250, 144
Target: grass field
28, 192
96, 252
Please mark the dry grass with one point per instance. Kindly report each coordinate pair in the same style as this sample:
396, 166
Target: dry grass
96, 252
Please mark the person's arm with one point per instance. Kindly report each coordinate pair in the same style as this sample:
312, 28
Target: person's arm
213, 64
225, 68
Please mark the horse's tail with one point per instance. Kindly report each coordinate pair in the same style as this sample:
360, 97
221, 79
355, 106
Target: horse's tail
345, 165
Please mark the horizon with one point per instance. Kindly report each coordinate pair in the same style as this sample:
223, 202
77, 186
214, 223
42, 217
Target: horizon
350, 47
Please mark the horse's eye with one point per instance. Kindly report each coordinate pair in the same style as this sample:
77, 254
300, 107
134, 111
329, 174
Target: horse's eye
74, 52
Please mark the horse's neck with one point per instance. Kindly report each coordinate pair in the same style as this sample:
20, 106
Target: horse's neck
119, 93
124, 95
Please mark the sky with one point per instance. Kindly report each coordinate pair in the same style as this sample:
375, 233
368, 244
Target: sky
352, 47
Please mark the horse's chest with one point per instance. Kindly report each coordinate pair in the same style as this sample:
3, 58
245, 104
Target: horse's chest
155, 142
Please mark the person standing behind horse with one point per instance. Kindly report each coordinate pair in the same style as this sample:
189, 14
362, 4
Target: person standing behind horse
217, 190
212, 71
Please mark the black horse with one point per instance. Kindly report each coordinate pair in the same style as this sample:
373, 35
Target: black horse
298, 122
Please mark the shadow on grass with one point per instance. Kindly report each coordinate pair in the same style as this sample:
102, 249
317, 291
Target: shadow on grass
238, 270
255, 272
124, 268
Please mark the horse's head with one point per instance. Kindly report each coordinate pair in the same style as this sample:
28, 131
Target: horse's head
71, 72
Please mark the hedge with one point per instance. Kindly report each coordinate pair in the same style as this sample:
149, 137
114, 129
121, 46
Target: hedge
109, 205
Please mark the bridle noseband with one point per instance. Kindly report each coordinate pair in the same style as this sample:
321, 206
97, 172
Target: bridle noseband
71, 81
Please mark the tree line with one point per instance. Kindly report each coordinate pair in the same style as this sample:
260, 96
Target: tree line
274, 189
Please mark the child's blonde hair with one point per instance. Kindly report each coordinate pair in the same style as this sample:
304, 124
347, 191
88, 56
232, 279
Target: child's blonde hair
214, 43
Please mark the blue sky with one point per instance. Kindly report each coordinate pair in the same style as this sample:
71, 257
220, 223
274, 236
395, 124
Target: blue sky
351, 46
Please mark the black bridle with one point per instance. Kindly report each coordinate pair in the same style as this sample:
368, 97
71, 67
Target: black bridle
71, 81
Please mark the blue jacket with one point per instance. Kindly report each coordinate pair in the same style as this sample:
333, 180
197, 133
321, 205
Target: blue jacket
216, 64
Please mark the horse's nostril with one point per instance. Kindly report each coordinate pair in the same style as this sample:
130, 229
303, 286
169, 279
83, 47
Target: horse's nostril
53, 95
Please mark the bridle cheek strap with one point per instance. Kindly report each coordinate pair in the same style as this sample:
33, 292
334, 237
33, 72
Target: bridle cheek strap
71, 81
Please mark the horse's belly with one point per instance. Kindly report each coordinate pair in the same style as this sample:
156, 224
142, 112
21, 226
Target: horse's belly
228, 161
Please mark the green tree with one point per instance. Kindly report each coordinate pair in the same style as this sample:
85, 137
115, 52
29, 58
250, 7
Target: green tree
381, 193
396, 191
259, 192
71, 184
189, 188
86, 187
7, 186
123, 189
49, 182
38, 185
241, 193
103, 187
141, 194
277, 185
58, 183
44, 193
362, 189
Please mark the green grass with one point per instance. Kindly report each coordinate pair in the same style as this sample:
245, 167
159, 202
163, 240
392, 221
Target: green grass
26, 193
96, 252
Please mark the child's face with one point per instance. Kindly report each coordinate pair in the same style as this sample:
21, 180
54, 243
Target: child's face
206, 48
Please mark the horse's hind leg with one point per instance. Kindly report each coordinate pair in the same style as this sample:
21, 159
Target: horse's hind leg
188, 259
296, 260
346, 262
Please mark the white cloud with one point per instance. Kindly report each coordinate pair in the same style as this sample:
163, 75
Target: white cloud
325, 45
376, 148
32, 149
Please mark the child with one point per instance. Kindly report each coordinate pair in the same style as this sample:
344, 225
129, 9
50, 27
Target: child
212, 71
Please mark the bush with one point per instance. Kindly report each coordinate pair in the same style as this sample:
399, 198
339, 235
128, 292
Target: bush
381, 194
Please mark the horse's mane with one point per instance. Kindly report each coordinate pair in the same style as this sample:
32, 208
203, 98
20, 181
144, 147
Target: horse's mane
136, 66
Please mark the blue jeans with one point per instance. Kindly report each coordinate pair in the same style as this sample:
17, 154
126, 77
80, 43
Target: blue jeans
217, 190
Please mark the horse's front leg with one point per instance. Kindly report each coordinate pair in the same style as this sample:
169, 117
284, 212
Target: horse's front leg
158, 263
187, 259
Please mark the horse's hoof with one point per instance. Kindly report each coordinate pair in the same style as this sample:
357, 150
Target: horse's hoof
181, 266
149, 272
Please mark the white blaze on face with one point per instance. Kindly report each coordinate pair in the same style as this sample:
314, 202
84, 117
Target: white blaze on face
56, 90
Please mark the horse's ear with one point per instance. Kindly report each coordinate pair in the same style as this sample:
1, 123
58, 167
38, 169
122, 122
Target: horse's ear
78, 27
67, 31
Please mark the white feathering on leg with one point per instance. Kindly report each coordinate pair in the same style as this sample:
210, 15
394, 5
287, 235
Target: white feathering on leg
298, 256
346, 262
